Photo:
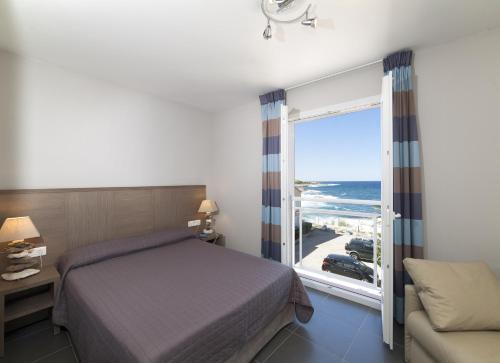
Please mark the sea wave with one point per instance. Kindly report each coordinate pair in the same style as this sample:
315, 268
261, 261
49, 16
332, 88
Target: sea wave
314, 204
322, 185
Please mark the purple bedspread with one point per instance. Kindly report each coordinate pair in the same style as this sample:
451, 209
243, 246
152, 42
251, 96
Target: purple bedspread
168, 297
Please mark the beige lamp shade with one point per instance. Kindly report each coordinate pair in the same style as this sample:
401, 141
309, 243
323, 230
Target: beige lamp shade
19, 228
208, 206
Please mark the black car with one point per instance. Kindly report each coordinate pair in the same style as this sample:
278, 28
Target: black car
347, 266
360, 249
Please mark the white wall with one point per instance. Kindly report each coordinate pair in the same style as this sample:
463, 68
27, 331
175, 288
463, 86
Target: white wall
236, 178
60, 129
458, 95
365, 82
458, 111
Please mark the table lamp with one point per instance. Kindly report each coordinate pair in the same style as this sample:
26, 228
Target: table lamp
21, 254
17, 229
209, 207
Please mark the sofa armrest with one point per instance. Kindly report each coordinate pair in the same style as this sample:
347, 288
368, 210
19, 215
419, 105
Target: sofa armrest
412, 303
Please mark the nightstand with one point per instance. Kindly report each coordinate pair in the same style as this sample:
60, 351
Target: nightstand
27, 296
215, 238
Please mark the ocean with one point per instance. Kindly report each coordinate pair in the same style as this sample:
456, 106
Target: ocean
365, 190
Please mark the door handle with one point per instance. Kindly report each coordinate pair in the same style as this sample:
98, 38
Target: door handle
391, 213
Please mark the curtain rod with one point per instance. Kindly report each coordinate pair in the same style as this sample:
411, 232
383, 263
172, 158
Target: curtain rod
333, 75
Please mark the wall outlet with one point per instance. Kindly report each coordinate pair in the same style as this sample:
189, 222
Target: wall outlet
38, 251
194, 223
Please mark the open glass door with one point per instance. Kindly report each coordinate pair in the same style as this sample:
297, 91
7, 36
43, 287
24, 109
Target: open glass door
337, 198
335, 233
387, 211
286, 210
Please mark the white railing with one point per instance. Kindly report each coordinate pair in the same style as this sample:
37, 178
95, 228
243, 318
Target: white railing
340, 213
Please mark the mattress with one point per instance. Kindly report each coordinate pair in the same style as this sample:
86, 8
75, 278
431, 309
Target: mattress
169, 297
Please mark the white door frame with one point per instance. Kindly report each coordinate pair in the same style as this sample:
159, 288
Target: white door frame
288, 176
387, 211
287, 151
286, 200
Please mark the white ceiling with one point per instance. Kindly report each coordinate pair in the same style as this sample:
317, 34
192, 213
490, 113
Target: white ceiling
211, 54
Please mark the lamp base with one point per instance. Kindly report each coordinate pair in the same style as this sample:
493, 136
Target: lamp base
15, 242
20, 247
12, 276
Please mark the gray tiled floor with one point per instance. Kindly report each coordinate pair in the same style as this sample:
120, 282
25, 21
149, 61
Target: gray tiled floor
36, 343
340, 331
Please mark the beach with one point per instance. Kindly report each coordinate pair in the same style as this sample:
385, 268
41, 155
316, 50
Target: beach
329, 233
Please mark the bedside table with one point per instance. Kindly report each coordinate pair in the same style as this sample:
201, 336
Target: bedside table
215, 238
27, 296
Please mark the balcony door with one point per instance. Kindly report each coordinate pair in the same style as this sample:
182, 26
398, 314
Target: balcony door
337, 178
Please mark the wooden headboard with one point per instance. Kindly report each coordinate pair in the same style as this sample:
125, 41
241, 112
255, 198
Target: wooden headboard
68, 218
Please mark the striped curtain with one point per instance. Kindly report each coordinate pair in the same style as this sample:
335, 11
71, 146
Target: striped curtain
271, 174
408, 230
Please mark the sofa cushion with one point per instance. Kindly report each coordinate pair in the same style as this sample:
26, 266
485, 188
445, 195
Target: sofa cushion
457, 296
453, 347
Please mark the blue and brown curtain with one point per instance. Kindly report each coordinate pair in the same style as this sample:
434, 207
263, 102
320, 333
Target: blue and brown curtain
271, 174
408, 229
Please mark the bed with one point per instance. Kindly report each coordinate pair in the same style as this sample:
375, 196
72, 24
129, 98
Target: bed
169, 297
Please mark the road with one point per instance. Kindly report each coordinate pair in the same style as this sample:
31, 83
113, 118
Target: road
318, 244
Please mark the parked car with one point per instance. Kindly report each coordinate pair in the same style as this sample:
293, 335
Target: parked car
347, 266
360, 249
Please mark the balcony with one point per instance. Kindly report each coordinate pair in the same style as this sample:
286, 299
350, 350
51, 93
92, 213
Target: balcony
339, 246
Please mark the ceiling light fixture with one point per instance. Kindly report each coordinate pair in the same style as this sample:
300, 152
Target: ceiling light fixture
277, 11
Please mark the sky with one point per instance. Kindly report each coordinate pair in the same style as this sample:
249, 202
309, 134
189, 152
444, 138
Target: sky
339, 148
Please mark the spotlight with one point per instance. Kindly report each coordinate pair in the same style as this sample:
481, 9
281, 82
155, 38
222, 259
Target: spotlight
268, 32
284, 4
309, 21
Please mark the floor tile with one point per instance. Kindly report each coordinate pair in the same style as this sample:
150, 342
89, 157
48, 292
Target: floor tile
345, 310
34, 346
65, 355
317, 297
328, 332
368, 347
270, 347
373, 322
300, 350
29, 329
